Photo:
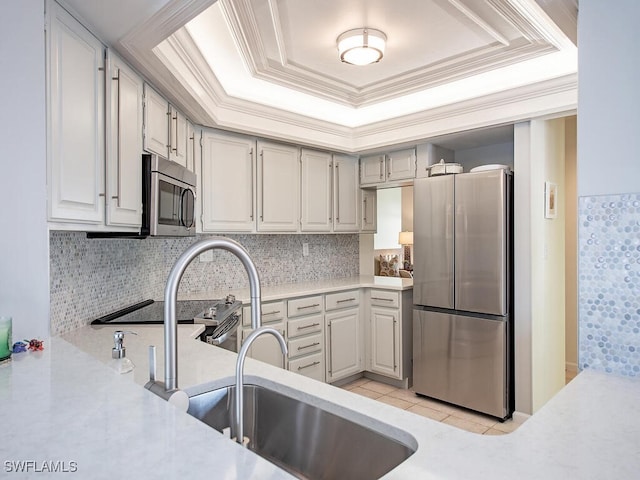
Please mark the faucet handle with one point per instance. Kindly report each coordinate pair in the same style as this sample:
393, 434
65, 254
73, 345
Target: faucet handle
152, 363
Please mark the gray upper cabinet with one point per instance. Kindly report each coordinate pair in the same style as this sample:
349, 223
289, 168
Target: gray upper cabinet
396, 168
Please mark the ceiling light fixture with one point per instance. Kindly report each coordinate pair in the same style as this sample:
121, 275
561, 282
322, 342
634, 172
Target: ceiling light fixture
361, 46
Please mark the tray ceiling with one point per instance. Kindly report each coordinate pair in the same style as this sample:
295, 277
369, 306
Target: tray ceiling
271, 67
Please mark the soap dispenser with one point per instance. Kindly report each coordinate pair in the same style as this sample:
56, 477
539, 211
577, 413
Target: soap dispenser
119, 360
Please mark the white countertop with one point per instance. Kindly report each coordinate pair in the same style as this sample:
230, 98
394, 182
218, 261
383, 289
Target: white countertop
64, 405
290, 290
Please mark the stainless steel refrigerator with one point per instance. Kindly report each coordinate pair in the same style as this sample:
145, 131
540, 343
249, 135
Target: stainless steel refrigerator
462, 290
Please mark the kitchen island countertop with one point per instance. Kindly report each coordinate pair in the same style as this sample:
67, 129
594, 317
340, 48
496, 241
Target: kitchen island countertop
66, 405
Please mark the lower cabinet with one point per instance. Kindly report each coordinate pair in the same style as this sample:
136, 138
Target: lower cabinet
385, 342
343, 335
305, 331
306, 346
266, 347
333, 336
390, 334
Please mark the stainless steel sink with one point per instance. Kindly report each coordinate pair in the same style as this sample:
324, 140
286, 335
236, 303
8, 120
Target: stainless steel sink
304, 439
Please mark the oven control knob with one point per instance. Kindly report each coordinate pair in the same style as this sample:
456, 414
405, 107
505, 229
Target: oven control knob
230, 299
212, 312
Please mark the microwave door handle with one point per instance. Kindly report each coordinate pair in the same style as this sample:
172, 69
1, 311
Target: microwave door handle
183, 198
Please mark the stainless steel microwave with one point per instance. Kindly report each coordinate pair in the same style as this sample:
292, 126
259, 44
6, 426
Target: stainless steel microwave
168, 193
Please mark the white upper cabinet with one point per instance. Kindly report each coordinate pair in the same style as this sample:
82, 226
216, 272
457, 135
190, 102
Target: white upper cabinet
178, 136
156, 124
278, 187
76, 136
369, 211
316, 191
330, 192
394, 167
401, 165
124, 147
193, 139
346, 194
228, 180
372, 170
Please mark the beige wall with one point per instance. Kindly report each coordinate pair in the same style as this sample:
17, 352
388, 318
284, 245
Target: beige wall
548, 268
571, 247
539, 313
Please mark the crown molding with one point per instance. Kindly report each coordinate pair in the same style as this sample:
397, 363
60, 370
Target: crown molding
229, 113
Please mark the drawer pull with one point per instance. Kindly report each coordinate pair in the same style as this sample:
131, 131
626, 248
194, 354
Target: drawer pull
309, 306
313, 364
383, 299
309, 346
270, 313
346, 300
308, 326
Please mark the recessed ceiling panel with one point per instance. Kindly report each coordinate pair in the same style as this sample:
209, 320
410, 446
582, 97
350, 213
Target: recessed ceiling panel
430, 42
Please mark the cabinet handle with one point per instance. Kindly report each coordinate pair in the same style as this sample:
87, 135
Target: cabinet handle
338, 192
262, 188
389, 163
381, 168
346, 300
331, 191
382, 299
365, 209
251, 182
176, 134
170, 147
308, 346
117, 149
394, 345
308, 326
313, 364
330, 355
270, 313
309, 306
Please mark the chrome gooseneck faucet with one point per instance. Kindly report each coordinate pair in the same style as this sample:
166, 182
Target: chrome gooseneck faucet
169, 390
239, 397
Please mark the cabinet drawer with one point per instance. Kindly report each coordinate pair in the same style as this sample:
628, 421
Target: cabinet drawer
304, 306
385, 298
311, 366
304, 325
271, 312
334, 301
305, 345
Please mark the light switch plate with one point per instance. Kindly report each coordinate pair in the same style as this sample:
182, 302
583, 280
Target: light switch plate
305, 249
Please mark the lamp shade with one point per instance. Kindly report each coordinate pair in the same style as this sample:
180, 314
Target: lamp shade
361, 46
405, 238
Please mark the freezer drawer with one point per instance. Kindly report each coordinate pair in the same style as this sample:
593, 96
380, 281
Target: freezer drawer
461, 360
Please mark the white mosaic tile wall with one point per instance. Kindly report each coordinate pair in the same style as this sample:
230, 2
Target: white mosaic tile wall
90, 278
609, 284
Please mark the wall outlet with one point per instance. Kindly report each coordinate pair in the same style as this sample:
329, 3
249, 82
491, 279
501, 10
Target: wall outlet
206, 256
305, 249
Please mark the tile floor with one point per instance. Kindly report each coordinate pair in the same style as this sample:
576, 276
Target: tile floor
439, 411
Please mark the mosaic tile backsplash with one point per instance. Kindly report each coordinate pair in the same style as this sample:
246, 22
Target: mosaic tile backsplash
609, 284
90, 278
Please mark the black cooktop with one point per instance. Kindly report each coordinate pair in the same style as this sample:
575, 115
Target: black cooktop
151, 312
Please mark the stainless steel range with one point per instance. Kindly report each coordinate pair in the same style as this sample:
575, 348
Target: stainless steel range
220, 317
